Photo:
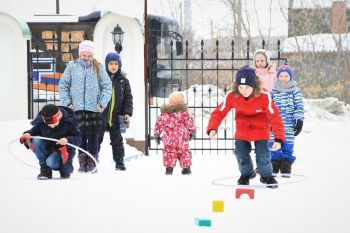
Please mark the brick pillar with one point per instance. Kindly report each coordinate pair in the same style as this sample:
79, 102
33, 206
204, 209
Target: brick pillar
339, 17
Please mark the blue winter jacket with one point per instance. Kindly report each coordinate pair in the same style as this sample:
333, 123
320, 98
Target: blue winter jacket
289, 101
80, 86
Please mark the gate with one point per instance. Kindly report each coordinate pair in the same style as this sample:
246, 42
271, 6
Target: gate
205, 74
53, 45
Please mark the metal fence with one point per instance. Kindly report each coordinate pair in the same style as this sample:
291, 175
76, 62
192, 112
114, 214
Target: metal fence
46, 63
206, 75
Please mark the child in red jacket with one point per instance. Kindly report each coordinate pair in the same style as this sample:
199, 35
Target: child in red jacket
175, 126
255, 115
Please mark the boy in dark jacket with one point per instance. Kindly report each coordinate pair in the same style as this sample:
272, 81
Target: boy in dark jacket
57, 123
119, 109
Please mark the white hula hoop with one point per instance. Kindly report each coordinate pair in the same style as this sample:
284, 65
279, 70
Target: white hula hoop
219, 182
54, 140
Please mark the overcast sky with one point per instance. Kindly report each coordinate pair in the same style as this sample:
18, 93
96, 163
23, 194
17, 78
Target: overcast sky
205, 12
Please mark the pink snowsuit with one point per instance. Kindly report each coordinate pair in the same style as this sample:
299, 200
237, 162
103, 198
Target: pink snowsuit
268, 76
174, 126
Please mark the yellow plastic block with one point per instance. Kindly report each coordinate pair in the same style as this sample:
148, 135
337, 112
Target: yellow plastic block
218, 206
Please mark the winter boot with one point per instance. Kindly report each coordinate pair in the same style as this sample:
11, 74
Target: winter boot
169, 171
186, 171
64, 175
82, 162
286, 168
118, 157
270, 181
120, 167
91, 165
244, 180
45, 172
276, 164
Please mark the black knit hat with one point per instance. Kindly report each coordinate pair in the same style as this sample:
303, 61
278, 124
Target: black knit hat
50, 113
246, 76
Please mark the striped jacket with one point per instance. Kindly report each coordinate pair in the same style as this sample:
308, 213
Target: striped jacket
289, 101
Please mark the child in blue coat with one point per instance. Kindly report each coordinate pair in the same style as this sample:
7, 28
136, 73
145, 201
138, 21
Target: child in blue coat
289, 101
57, 123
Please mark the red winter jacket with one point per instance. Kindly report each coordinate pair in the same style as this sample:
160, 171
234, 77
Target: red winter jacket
254, 117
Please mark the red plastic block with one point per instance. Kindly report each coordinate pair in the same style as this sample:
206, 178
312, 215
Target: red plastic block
241, 191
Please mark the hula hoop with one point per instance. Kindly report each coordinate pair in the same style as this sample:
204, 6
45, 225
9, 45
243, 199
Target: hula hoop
54, 140
15, 157
219, 183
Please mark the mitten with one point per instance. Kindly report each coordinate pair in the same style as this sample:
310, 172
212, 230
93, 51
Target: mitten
298, 127
192, 135
64, 154
157, 139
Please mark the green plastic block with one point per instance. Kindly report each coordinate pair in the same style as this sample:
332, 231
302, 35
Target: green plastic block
203, 222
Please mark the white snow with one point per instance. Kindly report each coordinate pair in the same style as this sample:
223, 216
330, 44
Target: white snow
317, 43
143, 199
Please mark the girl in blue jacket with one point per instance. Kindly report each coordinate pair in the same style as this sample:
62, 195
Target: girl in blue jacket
86, 88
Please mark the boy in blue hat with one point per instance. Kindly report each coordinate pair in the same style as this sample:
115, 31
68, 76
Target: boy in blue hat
119, 109
289, 101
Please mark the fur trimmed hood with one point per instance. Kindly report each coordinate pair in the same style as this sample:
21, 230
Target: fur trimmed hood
169, 108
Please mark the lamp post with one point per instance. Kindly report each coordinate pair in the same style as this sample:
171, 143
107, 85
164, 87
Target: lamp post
117, 36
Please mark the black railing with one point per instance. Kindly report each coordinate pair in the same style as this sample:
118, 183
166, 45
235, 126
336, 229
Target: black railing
206, 75
47, 61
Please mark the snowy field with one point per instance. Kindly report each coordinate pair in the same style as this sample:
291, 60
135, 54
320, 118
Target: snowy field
144, 200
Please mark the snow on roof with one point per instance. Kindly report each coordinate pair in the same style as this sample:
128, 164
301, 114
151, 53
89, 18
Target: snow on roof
316, 43
299, 4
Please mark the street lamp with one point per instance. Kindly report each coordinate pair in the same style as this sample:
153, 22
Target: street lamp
117, 36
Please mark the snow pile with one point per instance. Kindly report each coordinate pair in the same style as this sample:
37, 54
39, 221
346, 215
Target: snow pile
328, 109
207, 96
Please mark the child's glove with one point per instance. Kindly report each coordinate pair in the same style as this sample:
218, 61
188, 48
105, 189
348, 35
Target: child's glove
157, 139
24, 138
64, 154
298, 127
192, 135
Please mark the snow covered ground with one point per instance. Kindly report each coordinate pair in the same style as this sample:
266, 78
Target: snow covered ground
144, 200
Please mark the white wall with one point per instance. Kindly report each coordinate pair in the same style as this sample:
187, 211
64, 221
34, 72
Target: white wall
13, 70
132, 59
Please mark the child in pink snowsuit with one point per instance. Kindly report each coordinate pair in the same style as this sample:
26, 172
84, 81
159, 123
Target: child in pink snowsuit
264, 69
175, 127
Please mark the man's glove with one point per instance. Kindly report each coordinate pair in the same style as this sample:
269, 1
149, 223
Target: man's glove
192, 135
157, 139
64, 154
298, 127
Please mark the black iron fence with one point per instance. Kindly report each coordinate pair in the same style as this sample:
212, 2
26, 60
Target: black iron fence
47, 59
205, 73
